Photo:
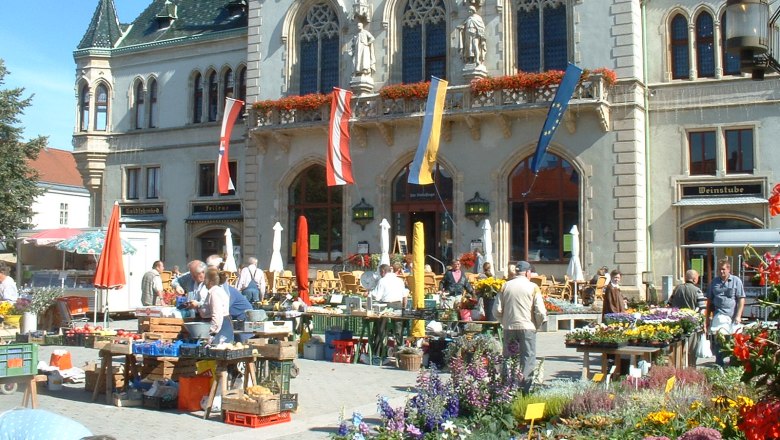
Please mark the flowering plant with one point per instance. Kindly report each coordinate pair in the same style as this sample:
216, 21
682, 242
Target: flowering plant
468, 259
488, 287
405, 91
353, 429
8, 308
312, 101
551, 307
38, 299
532, 81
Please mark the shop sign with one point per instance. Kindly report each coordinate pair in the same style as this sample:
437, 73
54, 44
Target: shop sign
129, 210
723, 190
214, 207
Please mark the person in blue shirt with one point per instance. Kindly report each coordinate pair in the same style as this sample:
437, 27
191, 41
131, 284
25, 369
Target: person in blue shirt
725, 302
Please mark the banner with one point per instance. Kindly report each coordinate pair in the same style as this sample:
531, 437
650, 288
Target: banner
232, 110
420, 172
339, 164
554, 115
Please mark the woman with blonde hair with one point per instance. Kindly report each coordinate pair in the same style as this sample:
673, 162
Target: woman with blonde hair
218, 307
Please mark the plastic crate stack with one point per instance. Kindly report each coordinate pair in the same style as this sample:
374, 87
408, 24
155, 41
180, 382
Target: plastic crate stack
18, 360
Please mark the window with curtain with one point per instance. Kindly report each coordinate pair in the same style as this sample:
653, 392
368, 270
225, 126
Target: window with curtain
730, 62
705, 46
322, 205
152, 182
542, 35
539, 222
739, 151
206, 179
132, 183
152, 103
101, 107
84, 108
140, 109
703, 154
213, 97
197, 98
424, 41
320, 52
679, 40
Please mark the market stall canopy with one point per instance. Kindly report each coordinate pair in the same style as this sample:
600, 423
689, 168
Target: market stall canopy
8, 258
91, 243
50, 237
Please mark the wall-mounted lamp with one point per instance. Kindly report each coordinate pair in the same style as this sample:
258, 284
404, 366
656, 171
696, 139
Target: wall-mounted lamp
477, 209
362, 213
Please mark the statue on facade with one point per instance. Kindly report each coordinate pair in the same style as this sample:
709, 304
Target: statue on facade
362, 52
473, 44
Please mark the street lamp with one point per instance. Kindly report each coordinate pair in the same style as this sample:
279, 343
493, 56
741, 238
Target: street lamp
751, 35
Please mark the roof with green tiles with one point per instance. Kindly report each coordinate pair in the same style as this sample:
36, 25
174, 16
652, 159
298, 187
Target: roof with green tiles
164, 20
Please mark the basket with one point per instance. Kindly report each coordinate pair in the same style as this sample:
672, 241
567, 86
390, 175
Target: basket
409, 361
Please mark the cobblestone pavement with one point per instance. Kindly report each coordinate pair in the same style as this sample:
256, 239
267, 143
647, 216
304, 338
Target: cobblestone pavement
324, 389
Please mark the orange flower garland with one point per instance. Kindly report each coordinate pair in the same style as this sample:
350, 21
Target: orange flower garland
312, 101
530, 81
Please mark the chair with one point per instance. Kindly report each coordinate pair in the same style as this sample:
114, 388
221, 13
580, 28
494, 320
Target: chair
559, 290
431, 286
270, 280
320, 285
333, 283
349, 283
166, 277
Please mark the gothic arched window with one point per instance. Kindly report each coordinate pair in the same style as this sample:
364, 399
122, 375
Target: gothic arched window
705, 46
197, 99
101, 107
424, 41
320, 54
213, 98
679, 35
322, 206
152, 103
542, 36
84, 108
140, 108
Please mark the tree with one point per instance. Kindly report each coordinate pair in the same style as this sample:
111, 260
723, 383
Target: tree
18, 181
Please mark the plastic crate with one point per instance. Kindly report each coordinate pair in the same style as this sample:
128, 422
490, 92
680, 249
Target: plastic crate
229, 354
74, 340
289, 402
155, 402
324, 323
191, 350
54, 340
18, 360
277, 376
77, 305
254, 421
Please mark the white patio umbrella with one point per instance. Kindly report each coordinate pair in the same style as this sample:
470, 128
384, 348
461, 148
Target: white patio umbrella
574, 270
230, 259
277, 265
487, 242
385, 242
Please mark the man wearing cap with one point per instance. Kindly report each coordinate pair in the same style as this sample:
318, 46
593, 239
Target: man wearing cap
520, 309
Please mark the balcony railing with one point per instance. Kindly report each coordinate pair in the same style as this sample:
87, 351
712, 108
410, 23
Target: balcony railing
459, 99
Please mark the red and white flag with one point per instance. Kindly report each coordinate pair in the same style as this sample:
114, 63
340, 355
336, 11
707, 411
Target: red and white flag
232, 110
339, 165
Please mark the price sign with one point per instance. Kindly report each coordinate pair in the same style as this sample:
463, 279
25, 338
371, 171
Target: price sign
534, 411
669, 385
598, 377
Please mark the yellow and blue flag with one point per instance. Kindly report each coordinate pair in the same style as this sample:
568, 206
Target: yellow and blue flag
420, 172
561, 101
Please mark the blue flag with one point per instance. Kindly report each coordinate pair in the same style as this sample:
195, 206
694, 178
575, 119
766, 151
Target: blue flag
554, 115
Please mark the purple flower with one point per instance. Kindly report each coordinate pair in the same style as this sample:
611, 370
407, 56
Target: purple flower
413, 431
701, 433
363, 428
343, 428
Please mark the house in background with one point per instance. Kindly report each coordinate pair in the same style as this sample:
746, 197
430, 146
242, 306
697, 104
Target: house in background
66, 201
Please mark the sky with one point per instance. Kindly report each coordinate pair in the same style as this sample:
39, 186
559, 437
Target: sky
37, 40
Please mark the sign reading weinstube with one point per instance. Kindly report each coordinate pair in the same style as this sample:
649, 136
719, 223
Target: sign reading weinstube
723, 190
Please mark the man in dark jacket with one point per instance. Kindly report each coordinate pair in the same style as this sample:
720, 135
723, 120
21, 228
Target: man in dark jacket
688, 295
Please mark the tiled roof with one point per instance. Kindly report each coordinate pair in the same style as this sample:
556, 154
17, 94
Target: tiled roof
104, 29
192, 17
57, 167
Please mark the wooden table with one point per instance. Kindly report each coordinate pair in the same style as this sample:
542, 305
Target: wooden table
635, 353
31, 391
106, 372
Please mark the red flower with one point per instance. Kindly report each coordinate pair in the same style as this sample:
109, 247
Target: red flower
774, 201
761, 421
741, 350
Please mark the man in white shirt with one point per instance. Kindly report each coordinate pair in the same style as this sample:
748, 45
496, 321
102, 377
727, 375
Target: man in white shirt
253, 292
8, 290
390, 289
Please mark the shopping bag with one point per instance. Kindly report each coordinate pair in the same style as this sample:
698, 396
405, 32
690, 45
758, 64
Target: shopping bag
704, 350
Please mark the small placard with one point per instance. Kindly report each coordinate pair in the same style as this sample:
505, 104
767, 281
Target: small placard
669, 385
598, 377
314, 242
476, 244
362, 247
567, 242
635, 372
534, 411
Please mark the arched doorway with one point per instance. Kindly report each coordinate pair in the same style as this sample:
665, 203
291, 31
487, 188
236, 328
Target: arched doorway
322, 205
213, 242
702, 258
429, 204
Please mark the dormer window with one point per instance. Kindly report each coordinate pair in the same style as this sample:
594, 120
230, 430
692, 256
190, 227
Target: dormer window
166, 15
236, 7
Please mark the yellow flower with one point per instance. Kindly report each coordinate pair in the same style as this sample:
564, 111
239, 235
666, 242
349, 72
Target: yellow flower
695, 405
660, 417
745, 401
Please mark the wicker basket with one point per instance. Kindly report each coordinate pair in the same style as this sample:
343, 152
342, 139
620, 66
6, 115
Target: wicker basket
409, 361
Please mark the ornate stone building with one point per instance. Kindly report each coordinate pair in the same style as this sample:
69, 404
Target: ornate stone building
625, 165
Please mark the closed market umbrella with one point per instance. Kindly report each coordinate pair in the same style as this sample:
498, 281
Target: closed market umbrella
384, 258
574, 270
110, 272
487, 242
230, 259
277, 265
418, 269
302, 260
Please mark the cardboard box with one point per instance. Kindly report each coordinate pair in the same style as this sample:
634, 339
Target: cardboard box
274, 327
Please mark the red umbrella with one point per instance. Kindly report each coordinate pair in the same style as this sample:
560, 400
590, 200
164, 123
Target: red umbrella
302, 260
110, 272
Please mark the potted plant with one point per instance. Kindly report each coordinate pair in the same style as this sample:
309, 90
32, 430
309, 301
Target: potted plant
35, 302
487, 289
11, 316
409, 358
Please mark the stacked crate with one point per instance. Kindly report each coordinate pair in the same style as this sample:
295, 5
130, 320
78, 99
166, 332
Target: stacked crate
160, 328
167, 368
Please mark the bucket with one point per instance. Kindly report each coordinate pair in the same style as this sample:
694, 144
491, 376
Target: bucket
55, 381
61, 359
256, 315
198, 330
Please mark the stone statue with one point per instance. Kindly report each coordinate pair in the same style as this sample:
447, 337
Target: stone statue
473, 44
362, 51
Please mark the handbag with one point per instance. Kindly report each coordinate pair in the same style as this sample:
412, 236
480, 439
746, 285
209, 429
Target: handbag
704, 350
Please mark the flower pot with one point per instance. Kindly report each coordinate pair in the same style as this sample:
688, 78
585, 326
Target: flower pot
12, 320
488, 306
29, 323
409, 361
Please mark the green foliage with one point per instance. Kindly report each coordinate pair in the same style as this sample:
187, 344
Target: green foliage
554, 405
17, 180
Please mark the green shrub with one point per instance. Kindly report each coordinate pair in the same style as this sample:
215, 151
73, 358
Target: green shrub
553, 405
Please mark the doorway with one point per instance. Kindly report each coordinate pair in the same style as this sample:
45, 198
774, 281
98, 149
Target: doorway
437, 234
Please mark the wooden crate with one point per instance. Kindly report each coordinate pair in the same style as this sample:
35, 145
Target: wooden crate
167, 368
90, 380
263, 405
158, 336
160, 328
283, 350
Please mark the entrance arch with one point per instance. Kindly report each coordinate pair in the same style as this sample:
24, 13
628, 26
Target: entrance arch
212, 241
702, 258
429, 204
